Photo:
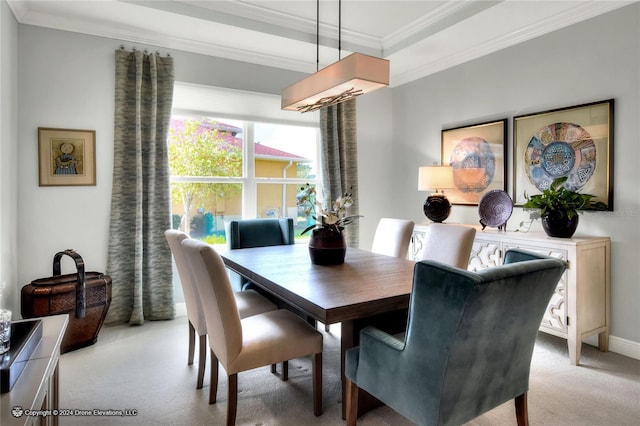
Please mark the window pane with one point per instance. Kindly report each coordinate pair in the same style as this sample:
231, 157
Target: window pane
201, 146
274, 199
283, 151
208, 206
220, 166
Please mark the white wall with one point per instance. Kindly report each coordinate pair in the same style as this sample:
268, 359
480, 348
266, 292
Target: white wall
8, 163
591, 61
66, 80
375, 162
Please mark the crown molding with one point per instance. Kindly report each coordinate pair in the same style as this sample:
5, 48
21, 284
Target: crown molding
18, 8
290, 46
581, 12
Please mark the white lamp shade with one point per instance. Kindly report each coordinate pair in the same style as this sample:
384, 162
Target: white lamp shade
435, 178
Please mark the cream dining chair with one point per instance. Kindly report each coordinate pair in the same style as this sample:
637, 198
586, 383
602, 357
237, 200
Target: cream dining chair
249, 303
448, 243
392, 237
244, 344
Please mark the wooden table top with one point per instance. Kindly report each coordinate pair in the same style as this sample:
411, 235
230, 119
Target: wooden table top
366, 284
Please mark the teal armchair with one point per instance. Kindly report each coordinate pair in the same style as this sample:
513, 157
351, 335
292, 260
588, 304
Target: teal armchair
468, 343
256, 233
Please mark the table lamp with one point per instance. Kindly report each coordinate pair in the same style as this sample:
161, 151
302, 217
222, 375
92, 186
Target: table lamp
437, 178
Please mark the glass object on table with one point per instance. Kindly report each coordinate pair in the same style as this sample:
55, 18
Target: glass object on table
5, 330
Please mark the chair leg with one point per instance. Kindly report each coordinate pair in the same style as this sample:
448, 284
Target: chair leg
192, 343
317, 384
352, 402
232, 404
213, 382
285, 370
522, 411
202, 360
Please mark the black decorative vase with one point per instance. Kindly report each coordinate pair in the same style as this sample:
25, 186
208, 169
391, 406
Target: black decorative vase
327, 247
437, 207
559, 226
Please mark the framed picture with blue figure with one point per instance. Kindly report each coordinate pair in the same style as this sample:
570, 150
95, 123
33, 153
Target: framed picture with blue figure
477, 155
574, 142
66, 157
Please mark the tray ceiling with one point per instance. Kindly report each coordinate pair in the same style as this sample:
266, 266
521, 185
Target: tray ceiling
418, 37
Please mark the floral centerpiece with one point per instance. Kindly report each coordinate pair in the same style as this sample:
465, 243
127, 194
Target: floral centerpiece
326, 245
335, 219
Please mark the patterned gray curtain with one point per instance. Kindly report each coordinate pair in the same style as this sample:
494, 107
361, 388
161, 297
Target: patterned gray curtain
339, 157
139, 260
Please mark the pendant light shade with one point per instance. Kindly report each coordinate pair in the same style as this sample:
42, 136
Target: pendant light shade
352, 76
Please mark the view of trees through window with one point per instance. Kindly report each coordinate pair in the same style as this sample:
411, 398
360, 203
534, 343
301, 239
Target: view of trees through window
225, 169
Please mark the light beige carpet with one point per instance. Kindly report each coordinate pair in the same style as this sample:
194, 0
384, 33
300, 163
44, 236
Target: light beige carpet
143, 369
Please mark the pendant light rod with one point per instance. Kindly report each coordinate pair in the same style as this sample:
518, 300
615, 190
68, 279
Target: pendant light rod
343, 80
339, 29
317, 35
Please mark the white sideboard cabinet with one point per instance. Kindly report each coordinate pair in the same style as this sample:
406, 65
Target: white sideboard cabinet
580, 306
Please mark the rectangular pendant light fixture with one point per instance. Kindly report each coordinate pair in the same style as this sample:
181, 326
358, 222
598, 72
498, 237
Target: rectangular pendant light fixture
352, 76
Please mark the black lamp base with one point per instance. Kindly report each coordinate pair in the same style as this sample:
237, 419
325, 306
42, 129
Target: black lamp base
437, 207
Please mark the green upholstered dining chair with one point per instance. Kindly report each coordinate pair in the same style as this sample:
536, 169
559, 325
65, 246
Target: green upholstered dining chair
248, 233
242, 344
249, 303
468, 343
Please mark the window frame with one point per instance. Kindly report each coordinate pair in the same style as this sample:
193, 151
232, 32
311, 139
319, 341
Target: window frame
248, 180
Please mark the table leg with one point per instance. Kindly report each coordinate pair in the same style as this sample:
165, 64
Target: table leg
393, 322
350, 332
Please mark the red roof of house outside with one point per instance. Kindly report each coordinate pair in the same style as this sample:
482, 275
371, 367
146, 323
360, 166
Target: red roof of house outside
262, 151
268, 151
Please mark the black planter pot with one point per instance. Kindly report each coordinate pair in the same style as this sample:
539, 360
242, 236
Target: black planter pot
559, 226
327, 247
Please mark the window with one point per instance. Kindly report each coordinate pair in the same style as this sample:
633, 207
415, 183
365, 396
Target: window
225, 168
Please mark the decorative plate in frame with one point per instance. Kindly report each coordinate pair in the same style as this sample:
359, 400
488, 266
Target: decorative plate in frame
495, 209
576, 142
477, 155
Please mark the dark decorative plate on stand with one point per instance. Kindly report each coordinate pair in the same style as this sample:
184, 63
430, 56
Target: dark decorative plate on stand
495, 209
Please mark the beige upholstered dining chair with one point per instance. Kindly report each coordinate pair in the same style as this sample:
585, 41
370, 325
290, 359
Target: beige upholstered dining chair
392, 237
249, 303
448, 243
244, 344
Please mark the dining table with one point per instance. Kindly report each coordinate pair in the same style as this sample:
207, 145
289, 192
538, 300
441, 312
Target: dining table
367, 289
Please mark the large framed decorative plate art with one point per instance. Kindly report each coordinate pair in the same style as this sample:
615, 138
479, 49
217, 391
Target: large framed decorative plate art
477, 156
576, 142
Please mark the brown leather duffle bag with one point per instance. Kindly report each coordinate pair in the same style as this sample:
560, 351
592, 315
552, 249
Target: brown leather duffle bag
85, 296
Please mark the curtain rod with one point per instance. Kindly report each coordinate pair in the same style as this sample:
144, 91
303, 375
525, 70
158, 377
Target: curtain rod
146, 51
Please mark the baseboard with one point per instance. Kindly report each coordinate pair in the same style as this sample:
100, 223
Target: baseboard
181, 309
624, 347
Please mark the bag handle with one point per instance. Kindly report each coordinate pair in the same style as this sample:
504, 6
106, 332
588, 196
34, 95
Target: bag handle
80, 286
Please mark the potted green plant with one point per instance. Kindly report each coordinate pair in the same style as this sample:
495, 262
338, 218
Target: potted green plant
558, 208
